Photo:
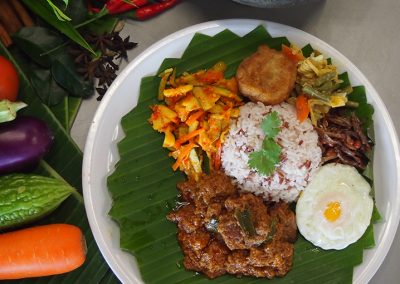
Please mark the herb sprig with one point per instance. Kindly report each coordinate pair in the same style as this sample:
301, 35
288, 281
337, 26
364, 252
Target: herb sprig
265, 160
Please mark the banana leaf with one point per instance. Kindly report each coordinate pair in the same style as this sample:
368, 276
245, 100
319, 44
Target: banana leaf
143, 184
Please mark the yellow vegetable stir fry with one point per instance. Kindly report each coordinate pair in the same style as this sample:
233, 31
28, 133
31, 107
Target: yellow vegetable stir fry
319, 87
196, 115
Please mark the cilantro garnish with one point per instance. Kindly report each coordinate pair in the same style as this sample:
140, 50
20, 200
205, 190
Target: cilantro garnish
270, 124
268, 156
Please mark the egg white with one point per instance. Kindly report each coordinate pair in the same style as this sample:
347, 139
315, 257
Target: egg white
335, 183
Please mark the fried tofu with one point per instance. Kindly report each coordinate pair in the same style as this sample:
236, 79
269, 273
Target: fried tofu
267, 76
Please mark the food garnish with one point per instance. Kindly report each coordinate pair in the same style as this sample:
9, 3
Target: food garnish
41, 251
335, 208
265, 160
195, 117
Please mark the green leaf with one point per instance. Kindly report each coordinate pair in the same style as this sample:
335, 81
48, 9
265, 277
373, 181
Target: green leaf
364, 111
41, 8
47, 89
260, 161
64, 73
272, 150
35, 41
307, 50
59, 14
270, 124
266, 159
72, 110
143, 185
77, 11
60, 111
100, 22
345, 78
63, 70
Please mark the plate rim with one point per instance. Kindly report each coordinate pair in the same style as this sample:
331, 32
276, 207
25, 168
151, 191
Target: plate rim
392, 220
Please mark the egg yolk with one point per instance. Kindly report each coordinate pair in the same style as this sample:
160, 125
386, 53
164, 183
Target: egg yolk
332, 211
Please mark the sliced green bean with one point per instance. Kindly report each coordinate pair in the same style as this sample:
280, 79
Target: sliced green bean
324, 78
315, 94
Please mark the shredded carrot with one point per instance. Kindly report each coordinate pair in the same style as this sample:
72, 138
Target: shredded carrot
183, 154
41, 251
195, 116
187, 137
302, 107
295, 57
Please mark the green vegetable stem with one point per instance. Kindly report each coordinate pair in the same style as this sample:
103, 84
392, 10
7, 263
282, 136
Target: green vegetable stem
8, 110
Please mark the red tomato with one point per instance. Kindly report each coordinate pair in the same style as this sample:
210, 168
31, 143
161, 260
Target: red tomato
9, 81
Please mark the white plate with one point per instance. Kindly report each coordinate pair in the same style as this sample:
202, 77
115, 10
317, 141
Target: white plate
101, 153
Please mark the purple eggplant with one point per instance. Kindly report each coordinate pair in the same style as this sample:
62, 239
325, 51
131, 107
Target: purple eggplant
23, 142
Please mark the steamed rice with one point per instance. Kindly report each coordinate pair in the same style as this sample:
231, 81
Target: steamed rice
300, 154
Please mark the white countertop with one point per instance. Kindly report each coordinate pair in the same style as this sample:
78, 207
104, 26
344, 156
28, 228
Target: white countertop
365, 31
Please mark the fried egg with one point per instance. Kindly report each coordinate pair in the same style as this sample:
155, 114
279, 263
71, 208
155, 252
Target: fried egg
335, 209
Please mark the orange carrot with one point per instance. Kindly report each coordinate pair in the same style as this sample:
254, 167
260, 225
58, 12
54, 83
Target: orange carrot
302, 107
184, 153
295, 57
187, 137
195, 116
41, 251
